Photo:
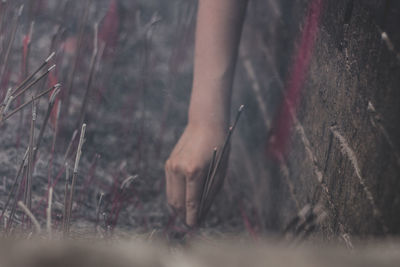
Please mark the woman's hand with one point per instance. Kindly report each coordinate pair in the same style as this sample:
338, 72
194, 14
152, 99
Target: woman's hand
187, 168
218, 28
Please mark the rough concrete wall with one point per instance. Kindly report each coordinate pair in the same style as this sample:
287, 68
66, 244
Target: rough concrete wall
345, 142
350, 114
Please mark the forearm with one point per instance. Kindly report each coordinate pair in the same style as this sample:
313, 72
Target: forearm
219, 24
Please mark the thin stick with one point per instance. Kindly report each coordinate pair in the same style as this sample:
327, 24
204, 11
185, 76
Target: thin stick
15, 183
27, 79
8, 104
16, 198
220, 158
225, 146
3, 16
48, 213
74, 134
52, 45
24, 74
29, 102
56, 125
212, 165
6, 100
26, 88
46, 119
65, 212
31, 216
5, 105
206, 182
98, 208
90, 78
71, 75
11, 42
75, 173
25, 67
30, 154
14, 207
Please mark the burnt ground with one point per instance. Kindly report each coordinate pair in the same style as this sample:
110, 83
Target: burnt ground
342, 153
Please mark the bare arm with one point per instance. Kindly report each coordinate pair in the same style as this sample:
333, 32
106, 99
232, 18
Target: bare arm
219, 24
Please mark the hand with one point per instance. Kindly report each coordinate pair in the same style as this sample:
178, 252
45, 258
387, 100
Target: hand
187, 168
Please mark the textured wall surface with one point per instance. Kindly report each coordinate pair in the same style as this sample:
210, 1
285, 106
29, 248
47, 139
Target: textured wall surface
344, 151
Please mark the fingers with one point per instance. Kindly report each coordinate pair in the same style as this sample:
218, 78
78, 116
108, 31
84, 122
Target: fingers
175, 184
194, 183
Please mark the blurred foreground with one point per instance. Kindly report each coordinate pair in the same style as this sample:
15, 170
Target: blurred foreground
37, 253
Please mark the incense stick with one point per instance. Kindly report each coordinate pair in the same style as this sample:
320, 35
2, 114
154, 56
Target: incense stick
208, 189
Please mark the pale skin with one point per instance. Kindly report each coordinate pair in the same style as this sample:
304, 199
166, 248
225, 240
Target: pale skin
218, 30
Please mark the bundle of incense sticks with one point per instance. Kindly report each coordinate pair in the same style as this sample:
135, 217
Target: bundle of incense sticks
210, 184
23, 87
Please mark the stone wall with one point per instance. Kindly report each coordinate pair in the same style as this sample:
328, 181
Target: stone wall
344, 151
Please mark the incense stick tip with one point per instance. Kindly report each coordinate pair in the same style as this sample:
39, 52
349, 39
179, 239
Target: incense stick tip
50, 57
52, 68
